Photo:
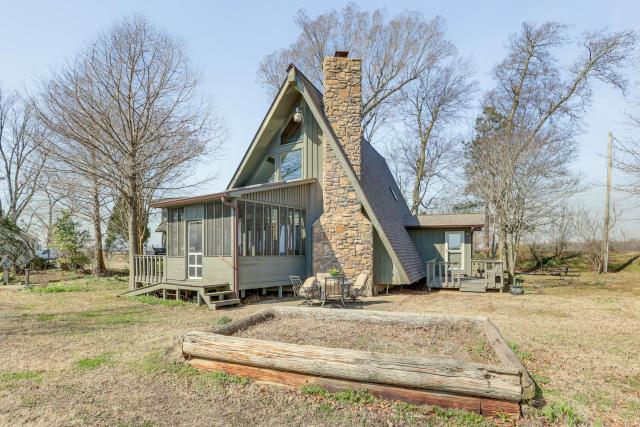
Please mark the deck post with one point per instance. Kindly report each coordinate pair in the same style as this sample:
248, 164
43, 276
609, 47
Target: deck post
164, 294
243, 293
177, 294
280, 292
264, 291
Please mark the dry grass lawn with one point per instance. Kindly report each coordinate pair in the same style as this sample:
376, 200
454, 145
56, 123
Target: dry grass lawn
461, 340
80, 355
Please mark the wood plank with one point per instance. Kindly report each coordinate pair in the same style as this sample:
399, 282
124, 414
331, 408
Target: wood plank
483, 406
243, 323
508, 357
498, 382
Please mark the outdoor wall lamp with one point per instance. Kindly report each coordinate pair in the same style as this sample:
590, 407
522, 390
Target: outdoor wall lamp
298, 117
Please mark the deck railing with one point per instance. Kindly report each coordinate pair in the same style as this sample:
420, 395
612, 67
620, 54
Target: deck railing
148, 269
491, 270
443, 273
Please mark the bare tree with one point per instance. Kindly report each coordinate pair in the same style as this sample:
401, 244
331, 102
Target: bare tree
431, 103
22, 154
519, 168
130, 98
561, 227
589, 226
394, 53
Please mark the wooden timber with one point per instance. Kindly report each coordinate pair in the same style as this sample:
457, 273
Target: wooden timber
483, 406
451, 376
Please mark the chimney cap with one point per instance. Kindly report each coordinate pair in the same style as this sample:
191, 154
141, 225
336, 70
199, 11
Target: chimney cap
341, 53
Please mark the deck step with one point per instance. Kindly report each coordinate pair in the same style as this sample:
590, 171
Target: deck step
218, 293
473, 287
225, 302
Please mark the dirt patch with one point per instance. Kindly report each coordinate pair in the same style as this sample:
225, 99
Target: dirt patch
462, 340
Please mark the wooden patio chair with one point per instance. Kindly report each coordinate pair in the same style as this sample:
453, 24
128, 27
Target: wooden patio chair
308, 290
359, 286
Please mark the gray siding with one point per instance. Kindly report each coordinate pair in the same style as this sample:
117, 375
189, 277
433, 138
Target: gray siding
217, 269
384, 271
176, 268
264, 271
430, 244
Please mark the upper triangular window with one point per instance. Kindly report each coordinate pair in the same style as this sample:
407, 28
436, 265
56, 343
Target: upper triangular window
292, 132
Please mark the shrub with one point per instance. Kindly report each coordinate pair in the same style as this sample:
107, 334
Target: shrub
70, 240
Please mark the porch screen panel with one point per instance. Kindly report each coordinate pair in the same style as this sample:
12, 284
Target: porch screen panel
176, 232
291, 238
219, 229
303, 232
209, 230
282, 234
267, 230
274, 230
298, 233
259, 227
242, 235
249, 224
227, 226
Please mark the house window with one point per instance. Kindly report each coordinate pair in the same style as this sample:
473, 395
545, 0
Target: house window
291, 133
291, 165
267, 171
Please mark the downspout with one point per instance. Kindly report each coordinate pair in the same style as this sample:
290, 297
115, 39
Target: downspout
236, 273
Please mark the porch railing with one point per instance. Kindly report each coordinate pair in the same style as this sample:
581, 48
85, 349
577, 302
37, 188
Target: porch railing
491, 270
443, 274
149, 269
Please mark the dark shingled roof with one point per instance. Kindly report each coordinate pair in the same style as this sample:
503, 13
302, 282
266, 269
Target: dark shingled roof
377, 183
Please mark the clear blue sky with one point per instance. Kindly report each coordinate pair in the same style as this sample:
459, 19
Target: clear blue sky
228, 39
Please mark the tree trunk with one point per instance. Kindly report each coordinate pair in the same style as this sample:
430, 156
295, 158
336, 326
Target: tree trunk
99, 267
132, 202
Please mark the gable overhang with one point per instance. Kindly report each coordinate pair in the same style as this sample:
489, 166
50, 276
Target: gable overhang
228, 194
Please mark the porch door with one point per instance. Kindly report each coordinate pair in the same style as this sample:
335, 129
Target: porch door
454, 248
194, 255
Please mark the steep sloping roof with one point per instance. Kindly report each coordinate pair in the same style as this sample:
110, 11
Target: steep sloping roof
475, 220
382, 191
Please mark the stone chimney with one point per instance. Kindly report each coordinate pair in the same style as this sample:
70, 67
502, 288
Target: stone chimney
343, 235
343, 102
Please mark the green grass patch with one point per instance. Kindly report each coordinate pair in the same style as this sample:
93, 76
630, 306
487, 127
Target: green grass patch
151, 300
458, 417
522, 354
58, 288
43, 317
90, 363
17, 376
405, 407
158, 363
347, 396
30, 401
561, 411
219, 377
223, 320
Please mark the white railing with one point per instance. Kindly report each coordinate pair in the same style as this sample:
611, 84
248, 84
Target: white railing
491, 270
148, 269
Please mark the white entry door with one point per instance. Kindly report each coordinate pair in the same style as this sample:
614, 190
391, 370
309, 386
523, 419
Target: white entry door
454, 247
194, 244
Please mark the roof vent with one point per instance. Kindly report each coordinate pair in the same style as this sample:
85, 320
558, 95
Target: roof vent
341, 53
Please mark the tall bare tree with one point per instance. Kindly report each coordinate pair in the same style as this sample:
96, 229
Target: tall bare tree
589, 226
394, 53
434, 101
522, 165
22, 155
130, 98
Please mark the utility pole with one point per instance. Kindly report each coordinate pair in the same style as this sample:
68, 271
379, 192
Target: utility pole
607, 219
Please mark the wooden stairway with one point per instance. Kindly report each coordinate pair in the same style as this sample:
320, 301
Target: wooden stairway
219, 296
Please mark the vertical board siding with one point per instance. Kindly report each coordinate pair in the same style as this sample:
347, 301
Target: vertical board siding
266, 271
384, 271
176, 268
430, 244
217, 269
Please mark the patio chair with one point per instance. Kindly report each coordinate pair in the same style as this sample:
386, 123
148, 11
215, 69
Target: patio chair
308, 290
359, 286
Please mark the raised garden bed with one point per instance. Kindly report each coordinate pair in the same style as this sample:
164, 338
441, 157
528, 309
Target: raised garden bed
392, 355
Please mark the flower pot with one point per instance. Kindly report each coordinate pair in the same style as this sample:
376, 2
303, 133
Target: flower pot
516, 289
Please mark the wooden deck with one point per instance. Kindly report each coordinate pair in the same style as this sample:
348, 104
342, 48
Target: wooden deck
486, 274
